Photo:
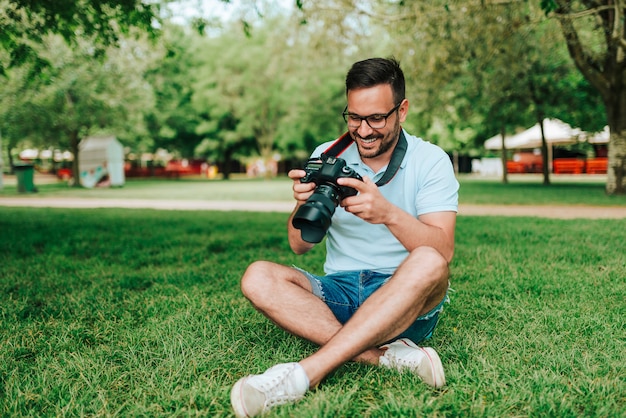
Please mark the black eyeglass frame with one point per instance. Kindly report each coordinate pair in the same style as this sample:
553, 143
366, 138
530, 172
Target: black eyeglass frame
384, 117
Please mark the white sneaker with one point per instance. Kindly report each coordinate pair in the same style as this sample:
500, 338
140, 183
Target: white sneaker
404, 354
281, 384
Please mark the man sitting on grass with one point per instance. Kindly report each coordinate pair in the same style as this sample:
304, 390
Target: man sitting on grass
388, 250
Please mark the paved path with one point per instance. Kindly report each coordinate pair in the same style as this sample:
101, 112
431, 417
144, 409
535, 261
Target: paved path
558, 212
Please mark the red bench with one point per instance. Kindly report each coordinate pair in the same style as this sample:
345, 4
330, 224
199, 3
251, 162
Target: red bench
514, 167
568, 166
597, 165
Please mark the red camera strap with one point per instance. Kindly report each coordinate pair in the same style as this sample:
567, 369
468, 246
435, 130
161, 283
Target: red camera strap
339, 146
345, 140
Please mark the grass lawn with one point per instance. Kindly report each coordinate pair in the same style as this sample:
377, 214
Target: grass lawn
523, 189
117, 312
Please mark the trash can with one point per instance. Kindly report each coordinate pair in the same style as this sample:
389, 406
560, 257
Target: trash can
25, 178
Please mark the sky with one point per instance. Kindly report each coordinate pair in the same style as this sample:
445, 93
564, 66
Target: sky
188, 9
184, 10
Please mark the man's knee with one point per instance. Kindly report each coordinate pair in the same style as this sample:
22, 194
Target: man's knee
255, 279
262, 280
430, 268
429, 261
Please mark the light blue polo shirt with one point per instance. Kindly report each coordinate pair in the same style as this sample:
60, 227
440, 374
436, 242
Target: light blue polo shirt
424, 183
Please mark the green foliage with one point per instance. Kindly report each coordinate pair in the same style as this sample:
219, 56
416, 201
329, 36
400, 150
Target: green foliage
491, 66
172, 122
139, 313
548, 6
75, 97
585, 26
222, 92
271, 89
23, 21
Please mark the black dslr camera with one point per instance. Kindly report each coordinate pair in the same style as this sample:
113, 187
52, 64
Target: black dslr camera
313, 218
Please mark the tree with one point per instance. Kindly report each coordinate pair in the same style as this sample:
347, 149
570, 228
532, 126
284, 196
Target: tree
222, 92
76, 95
279, 85
491, 65
595, 34
18, 112
27, 24
467, 61
173, 120
24, 22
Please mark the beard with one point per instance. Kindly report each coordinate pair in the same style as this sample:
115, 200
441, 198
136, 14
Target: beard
385, 142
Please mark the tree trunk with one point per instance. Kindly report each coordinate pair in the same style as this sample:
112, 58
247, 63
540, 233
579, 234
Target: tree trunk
616, 170
1, 164
616, 116
505, 177
227, 164
609, 79
10, 158
74, 140
544, 155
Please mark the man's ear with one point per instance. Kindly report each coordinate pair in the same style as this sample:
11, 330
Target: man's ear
403, 110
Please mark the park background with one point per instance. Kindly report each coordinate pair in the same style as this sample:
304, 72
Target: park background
256, 84
137, 312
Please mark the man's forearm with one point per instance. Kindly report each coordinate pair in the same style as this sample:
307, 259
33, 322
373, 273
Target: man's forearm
297, 244
436, 231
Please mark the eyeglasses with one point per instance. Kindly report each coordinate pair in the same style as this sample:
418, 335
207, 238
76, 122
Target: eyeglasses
375, 121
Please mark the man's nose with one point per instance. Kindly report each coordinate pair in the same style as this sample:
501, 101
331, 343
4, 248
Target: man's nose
364, 129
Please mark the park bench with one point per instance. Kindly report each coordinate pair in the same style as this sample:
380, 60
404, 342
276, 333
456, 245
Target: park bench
596, 165
568, 166
523, 167
515, 167
176, 169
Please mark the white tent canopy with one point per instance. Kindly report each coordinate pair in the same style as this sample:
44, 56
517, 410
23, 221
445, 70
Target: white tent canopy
601, 137
556, 133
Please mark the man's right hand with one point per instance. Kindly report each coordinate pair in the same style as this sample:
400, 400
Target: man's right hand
301, 191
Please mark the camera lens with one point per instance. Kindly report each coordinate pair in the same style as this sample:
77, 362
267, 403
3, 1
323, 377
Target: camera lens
314, 217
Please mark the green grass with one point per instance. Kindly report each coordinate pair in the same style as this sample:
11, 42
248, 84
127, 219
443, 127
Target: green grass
181, 189
522, 190
569, 191
138, 313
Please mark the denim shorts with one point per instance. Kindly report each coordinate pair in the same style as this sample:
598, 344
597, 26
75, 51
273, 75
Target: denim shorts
344, 292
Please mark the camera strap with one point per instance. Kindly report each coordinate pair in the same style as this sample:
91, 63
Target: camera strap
345, 140
340, 145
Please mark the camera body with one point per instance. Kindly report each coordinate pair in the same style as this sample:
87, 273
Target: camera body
314, 217
327, 170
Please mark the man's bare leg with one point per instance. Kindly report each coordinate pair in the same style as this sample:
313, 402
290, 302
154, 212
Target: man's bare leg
284, 295
418, 285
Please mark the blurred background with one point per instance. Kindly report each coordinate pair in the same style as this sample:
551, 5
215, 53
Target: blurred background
216, 88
